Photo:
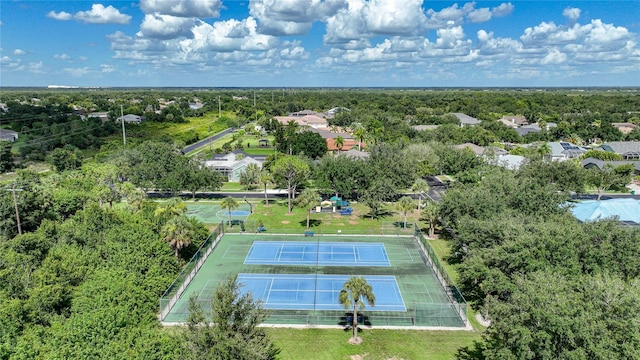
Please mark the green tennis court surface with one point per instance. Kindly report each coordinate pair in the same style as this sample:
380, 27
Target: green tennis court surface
214, 214
413, 298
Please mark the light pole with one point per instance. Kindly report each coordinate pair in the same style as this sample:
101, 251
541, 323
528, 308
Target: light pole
15, 205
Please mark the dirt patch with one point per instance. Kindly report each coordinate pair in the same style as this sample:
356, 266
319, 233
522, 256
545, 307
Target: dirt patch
285, 221
352, 222
356, 341
340, 224
357, 357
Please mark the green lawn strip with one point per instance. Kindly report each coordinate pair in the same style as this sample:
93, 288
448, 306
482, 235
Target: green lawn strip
275, 217
331, 344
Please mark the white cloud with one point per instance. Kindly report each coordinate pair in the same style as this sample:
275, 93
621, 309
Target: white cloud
62, 57
228, 35
106, 69
554, 57
450, 38
77, 72
455, 15
183, 8
571, 13
19, 52
364, 19
99, 14
63, 16
480, 15
292, 17
503, 9
36, 67
166, 26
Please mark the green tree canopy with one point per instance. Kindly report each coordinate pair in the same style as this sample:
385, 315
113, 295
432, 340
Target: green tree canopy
290, 172
232, 332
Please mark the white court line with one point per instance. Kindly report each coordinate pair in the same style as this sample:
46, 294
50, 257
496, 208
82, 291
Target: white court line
279, 252
409, 253
269, 293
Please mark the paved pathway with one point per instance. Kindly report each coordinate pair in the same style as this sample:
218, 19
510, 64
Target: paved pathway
204, 142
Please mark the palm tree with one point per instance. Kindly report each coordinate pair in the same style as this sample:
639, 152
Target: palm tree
229, 203
353, 291
543, 151
307, 199
359, 132
339, 143
169, 209
265, 179
430, 213
404, 205
178, 233
419, 187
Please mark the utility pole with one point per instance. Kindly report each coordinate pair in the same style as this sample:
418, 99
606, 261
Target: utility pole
219, 108
15, 205
124, 135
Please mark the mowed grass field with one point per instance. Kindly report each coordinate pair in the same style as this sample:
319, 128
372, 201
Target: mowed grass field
332, 344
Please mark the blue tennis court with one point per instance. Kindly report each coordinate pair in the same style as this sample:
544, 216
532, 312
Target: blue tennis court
317, 253
310, 292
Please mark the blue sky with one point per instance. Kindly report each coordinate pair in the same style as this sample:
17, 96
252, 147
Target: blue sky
319, 43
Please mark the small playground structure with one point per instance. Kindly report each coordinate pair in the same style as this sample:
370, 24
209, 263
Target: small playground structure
341, 205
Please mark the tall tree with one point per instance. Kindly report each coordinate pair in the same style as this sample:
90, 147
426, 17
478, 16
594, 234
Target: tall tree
6, 159
404, 205
265, 179
355, 292
307, 200
291, 172
229, 203
339, 142
609, 176
232, 333
178, 233
419, 187
359, 132
430, 213
250, 176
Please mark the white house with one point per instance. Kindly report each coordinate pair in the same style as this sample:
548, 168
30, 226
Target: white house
130, 119
466, 120
230, 166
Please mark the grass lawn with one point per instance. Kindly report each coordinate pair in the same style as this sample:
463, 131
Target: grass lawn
332, 344
276, 218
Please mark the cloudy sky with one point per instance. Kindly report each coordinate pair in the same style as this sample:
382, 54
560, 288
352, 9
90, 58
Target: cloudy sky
319, 43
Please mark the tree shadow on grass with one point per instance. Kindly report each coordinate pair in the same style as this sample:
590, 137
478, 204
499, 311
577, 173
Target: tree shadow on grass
380, 214
312, 223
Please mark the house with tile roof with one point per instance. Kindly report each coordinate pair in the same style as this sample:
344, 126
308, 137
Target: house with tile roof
625, 128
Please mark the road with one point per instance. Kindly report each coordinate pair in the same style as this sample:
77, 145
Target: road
204, 142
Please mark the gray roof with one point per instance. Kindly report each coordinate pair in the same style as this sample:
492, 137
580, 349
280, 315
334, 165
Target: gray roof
564, 148
621, 147
8, 134
589, 162
424, 127
466, 119
512, 162
526, 130
327, 134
